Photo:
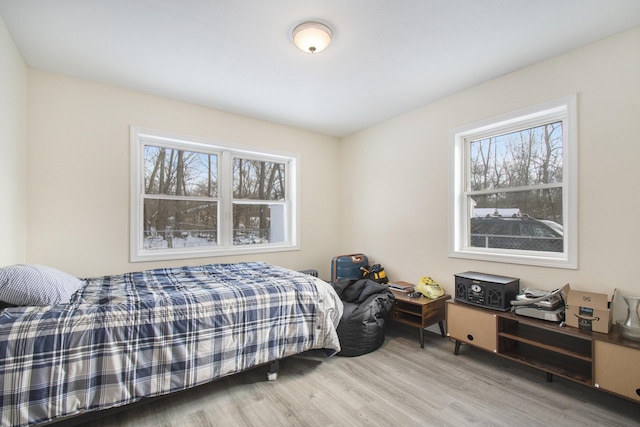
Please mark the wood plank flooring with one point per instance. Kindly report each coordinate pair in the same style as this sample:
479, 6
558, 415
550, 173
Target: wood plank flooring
398, 385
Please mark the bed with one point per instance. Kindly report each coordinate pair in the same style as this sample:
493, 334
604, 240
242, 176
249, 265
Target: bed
123, 338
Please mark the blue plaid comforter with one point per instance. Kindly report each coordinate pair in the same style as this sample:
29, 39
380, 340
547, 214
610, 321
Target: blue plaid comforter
143, 334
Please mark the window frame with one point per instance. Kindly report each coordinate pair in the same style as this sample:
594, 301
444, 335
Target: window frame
139, 137
564, 109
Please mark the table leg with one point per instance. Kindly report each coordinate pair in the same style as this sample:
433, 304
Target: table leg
441, 329
421, 337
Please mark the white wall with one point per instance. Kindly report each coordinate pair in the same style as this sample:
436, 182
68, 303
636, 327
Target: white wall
13, 148
78, 179
399, 216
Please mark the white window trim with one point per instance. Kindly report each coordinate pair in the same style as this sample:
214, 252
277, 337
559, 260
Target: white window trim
566, 108
139, 136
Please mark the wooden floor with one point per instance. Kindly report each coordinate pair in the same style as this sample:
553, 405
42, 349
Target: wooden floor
397, 385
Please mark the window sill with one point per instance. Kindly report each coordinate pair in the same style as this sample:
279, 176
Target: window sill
209, 253
517, 257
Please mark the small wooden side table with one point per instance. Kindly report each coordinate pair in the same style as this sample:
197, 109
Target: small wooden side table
419, 312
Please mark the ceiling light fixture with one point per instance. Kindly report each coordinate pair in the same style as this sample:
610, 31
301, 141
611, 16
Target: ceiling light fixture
312, 37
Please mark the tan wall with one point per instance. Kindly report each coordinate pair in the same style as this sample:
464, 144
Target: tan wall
13, 149
78, 179
408, 230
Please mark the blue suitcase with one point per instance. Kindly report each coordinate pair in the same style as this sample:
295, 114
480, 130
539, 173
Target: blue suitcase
348, 266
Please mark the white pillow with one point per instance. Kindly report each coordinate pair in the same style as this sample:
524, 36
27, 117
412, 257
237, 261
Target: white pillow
36, 285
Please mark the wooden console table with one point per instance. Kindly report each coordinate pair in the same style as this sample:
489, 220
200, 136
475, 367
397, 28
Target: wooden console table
607, 362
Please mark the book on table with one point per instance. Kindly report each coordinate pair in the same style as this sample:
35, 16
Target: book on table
401, 287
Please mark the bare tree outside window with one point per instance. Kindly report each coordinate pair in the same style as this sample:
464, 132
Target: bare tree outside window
192, 198
514, 187
259, 194
519, 173
180, 207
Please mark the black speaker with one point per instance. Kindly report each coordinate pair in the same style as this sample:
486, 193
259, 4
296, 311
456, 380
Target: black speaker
486, 290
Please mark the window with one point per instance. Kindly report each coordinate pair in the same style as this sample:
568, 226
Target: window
196, 198
514, 196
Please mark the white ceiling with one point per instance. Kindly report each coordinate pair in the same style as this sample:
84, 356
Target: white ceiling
387, 56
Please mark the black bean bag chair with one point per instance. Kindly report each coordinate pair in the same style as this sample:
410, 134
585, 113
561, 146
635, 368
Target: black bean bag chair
366, 303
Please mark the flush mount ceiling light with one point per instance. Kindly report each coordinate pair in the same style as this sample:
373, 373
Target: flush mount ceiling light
312, 37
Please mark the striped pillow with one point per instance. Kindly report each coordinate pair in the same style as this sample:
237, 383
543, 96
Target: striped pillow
36, 285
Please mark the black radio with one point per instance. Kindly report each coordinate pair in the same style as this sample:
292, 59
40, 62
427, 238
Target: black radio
486, 290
